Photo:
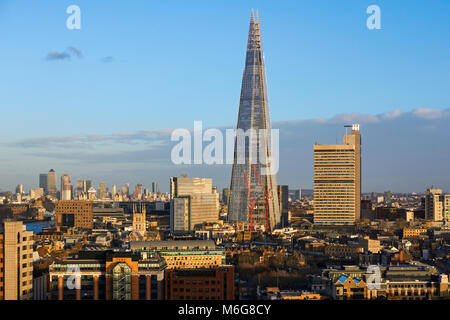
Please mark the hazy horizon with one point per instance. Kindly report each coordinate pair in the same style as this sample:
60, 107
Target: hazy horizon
388, 161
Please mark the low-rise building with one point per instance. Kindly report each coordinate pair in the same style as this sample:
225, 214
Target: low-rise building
184, 254
293, 295
409, 233
342, 250
370, 245
348, 288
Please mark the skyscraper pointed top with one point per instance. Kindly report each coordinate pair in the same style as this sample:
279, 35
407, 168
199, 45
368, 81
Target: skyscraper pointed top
252, 17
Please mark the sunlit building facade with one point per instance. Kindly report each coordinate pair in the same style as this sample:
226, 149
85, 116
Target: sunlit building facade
52, 188
194, 201
16, 261
337, 181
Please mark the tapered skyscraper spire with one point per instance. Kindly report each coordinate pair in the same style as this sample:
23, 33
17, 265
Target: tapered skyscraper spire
254, 196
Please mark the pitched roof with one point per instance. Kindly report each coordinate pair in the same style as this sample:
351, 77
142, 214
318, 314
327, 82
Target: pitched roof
342, 278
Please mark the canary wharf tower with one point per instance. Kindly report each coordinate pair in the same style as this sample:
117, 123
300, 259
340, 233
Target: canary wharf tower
254, 198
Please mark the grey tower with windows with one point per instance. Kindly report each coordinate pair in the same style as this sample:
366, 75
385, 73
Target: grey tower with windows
253, 196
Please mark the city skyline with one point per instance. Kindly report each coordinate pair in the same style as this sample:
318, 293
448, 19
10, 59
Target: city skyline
126, 149
134, 181
379, 172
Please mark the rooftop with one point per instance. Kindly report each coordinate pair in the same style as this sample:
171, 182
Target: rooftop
173, 245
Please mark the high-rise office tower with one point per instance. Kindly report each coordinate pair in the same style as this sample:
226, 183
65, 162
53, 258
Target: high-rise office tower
387, 196
43, 182
337, 181
254, 197
154, 187
194, 201
19, 188
437, 205
447, 207
283, 197
80, 189
225, 195
89, 184
298, 194
102, 193
52, 188
124, 190
16, 261
127, 189
81, 186
66, 187
113, 191
137, 193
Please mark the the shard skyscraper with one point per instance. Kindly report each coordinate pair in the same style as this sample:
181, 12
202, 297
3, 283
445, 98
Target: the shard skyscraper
253, 197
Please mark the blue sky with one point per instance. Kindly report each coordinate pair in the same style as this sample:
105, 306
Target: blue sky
172, 62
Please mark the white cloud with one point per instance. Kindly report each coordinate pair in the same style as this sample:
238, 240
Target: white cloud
430, 114
135, 141
86, 141
391, 114
354, 118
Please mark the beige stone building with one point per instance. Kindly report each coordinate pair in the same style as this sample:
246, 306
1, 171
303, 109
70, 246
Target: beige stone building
437, 205
447, 207
139, 221
370, 245
337, 181
190, 254
16, 262
409, 233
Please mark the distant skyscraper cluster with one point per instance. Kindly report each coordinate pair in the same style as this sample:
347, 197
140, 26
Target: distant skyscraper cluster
85, 190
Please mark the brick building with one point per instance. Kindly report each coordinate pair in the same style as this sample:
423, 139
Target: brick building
199, 284
76, 214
